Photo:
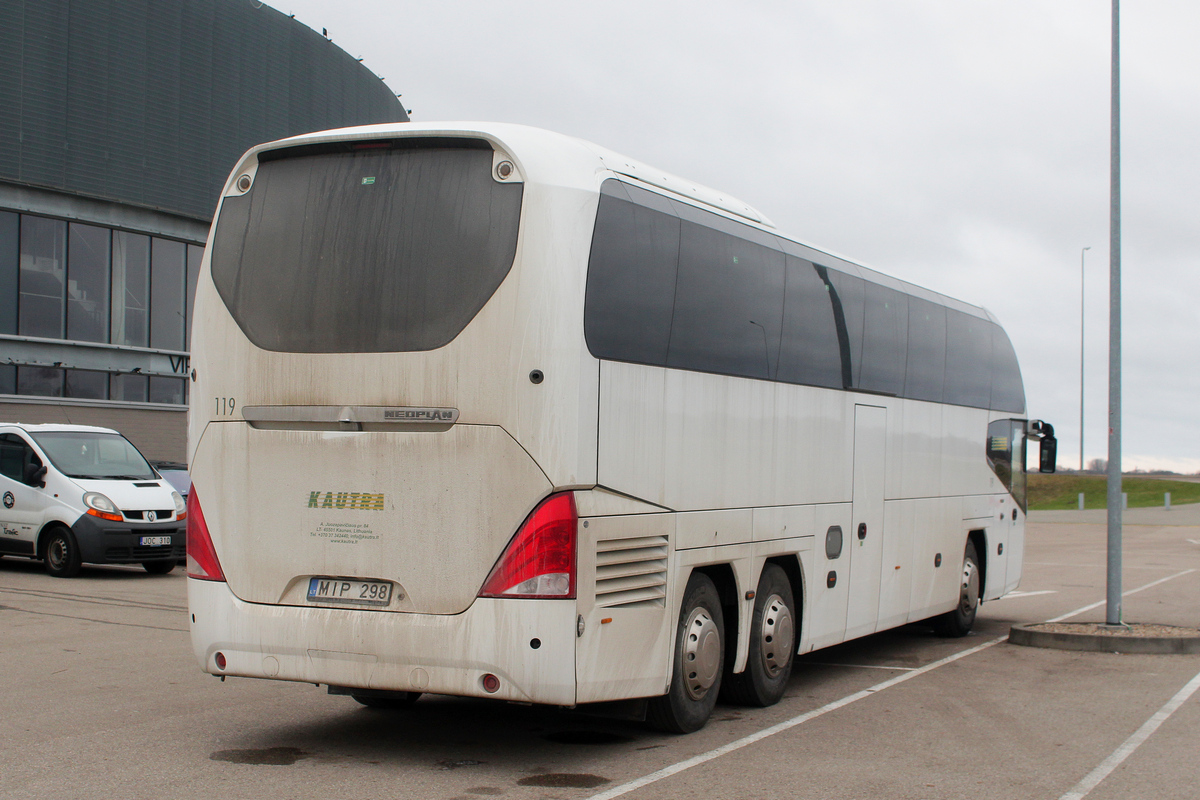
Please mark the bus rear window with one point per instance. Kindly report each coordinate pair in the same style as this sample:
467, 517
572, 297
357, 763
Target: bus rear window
350, 249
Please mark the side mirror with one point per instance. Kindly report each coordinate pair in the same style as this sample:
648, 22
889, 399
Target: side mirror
1047, 455
35, 475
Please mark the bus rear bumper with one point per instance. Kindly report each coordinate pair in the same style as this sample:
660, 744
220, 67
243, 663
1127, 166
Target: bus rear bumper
528, 644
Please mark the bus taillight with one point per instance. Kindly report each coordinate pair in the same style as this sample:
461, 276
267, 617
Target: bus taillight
202, 560
539, 562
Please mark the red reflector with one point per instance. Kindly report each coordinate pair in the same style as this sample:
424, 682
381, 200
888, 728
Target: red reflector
539, 562
491, 684
220, 659
202, 560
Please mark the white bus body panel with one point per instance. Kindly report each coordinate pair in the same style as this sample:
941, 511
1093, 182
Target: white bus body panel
439, 653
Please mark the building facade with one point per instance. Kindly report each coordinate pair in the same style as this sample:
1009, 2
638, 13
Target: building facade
119, 123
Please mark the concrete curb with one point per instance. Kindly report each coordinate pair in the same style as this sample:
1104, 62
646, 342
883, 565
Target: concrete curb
1025, 636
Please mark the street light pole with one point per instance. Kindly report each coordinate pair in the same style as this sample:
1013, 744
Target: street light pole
1081, 297
1113, 611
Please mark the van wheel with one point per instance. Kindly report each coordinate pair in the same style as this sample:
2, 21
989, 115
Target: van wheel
698, 663
772, 644
61, 554
957, 623
390, 703
158, 567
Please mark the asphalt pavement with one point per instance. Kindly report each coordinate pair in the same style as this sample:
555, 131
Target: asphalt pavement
104, 700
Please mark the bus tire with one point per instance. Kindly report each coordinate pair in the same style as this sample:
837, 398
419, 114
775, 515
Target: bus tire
392, 703
772, 644
958, 622
159, 567
61, 553
698, 663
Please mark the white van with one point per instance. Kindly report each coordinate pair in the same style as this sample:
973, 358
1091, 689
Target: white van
74, 494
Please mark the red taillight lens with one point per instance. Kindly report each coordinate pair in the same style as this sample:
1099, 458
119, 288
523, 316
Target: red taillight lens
201, 556
539, 562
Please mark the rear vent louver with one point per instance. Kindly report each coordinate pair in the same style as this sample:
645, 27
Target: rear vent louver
631, 573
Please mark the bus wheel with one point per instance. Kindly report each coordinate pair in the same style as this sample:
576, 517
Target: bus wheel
698, 663
772, 644
62, 554
389, 703
159, 567
959, 621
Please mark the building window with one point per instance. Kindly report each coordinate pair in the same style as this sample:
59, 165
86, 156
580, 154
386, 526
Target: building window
43, 256
168, 284
87, 283
130, 289
40, 381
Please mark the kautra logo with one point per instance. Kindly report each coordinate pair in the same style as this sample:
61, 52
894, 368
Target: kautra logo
350, 501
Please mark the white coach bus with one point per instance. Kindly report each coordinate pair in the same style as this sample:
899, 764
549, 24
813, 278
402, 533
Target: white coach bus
484, 410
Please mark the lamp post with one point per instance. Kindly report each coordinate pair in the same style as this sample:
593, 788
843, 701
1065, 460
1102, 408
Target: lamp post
1082, 253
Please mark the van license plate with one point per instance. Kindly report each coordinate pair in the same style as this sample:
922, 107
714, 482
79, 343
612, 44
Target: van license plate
155, 541
345, 590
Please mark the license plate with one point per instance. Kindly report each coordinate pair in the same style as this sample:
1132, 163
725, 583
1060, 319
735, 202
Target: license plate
346, 590
155, 541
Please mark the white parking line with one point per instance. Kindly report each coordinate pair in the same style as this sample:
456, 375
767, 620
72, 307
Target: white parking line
695, 761
702, 758
1027, 594
861, 666
1123, 594
1093, 778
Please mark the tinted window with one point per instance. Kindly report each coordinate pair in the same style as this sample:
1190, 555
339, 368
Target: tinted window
728, 301
968, 360
15, 453
168, 284
371, 247
1000, 450
8, 272
8, 379
44, 381
43, 247
811, 351
672, 285
86, 383
87, 283
885, 340
131, 388
926, 369
631, 276
847, 294
1008, 391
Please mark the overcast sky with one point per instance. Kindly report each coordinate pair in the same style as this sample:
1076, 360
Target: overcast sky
959, 144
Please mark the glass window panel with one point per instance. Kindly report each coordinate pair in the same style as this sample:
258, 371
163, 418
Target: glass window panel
366, 249
130, 388
130, 289
631, 276
43, 247
9, 227
166, 390
885, 340
40, 381
847, 294
88, 253
8, 379
811, 353
168, 286
195, 254
86, 384
728, 302
1008, 391
968, 360
1000, 450
926, 350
